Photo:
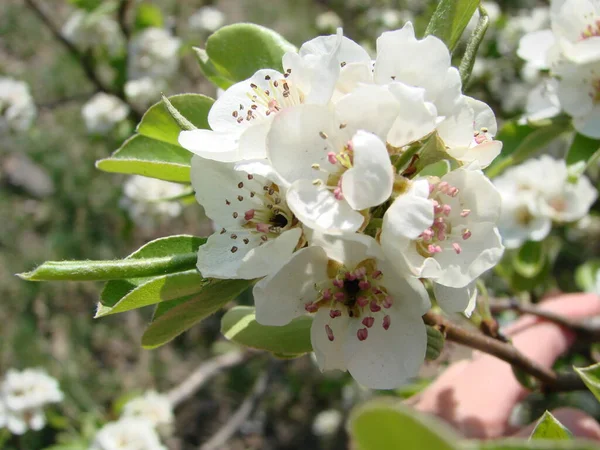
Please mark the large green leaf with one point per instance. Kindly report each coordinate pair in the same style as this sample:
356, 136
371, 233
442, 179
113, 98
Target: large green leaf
210, 71
212, 296
238, 51
591, 377
169, 246
387, 425
583, 151
148, 15
450, 19
548, 427
156, 290
239, 325
154, 151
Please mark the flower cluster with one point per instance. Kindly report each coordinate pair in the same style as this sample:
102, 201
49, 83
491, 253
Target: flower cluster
537, 193
144, 419
571, 50
103, 112
17, 109
88, 30
23, 396
308, 176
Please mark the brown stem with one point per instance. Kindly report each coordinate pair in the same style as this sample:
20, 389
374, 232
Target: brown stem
551, 380
124, 6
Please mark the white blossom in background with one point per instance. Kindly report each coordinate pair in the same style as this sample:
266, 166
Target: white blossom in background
537, 193
207, 18
328, 21
127, 433
87, 30
103, 112
153, 407
327, 422
154, 52
527, 21
144, 92
23, 395
17, 109
445, 229
147, 199
367, 317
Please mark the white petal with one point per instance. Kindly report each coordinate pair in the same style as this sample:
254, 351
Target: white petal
387, 358
416, 118
317, 207
369, 182
16, 423
329, 354
456, 300
253, 141
402, 286
450, 97
584, 51
456, 130
348, 249
409, 215
477, 193
347, 51
37, 421
483, 153
534, 47
211, 144
484, 116
281, 296
589, 125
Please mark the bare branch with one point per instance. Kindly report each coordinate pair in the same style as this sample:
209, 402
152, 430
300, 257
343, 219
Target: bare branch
550, 380
202, 374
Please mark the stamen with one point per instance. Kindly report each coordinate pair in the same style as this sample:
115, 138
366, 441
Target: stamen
364, 285
249, 215
374, 307
333, 313
457, 248
465, 212
368, 321
386, 322
329, 332
362, 301
388, 301
362, 334
311, 307
466, 234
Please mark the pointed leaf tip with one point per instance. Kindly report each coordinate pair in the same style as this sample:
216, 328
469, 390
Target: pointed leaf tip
182, 122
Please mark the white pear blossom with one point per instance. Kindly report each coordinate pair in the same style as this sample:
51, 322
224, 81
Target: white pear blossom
153, 407
207, 18
17, 109
23, 395
102, 112
256, 231
536, 193
88, 30
154, 52
327, 422
127, 433
145, 91
445, 229
328, 21
367, 317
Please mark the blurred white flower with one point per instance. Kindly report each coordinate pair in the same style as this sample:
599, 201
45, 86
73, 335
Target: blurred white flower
144, 92
328, 21
153, 407
527, 21
17, 109
24, 395
102, 112
327, 422
154, 52
536, 193
128, 433
89, 30
207, 18
147, 199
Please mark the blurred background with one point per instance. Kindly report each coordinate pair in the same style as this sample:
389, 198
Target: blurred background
55, 205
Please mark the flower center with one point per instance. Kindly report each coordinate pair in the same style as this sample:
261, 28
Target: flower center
449, 223
482, 135
359, 293
269, 215
591, 30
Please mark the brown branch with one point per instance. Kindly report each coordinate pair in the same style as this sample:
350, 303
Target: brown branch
550, 380
202, 374
124, 6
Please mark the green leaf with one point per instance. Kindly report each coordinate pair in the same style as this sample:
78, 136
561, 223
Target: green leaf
213, 295
586, 275
148, 15
156, 290
548, 427
450, 19
591, 377
164, 247
529, 260
522, 141
158, 123
154, 151
438, 169
238, 51
583, 151
384, 424
88, 5
435, 343
240, 326
517, 444
210, 71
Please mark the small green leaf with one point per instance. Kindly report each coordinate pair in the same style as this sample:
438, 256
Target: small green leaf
164, 247
529, 260
548, 427
181, 121
238, 51
148, 15
435, 343
385, 424
156, 290
518, 444
179, 318
154, 151
591, 377
583, 151
437, 169
210, 71
450, 19
586, 275
240, 326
